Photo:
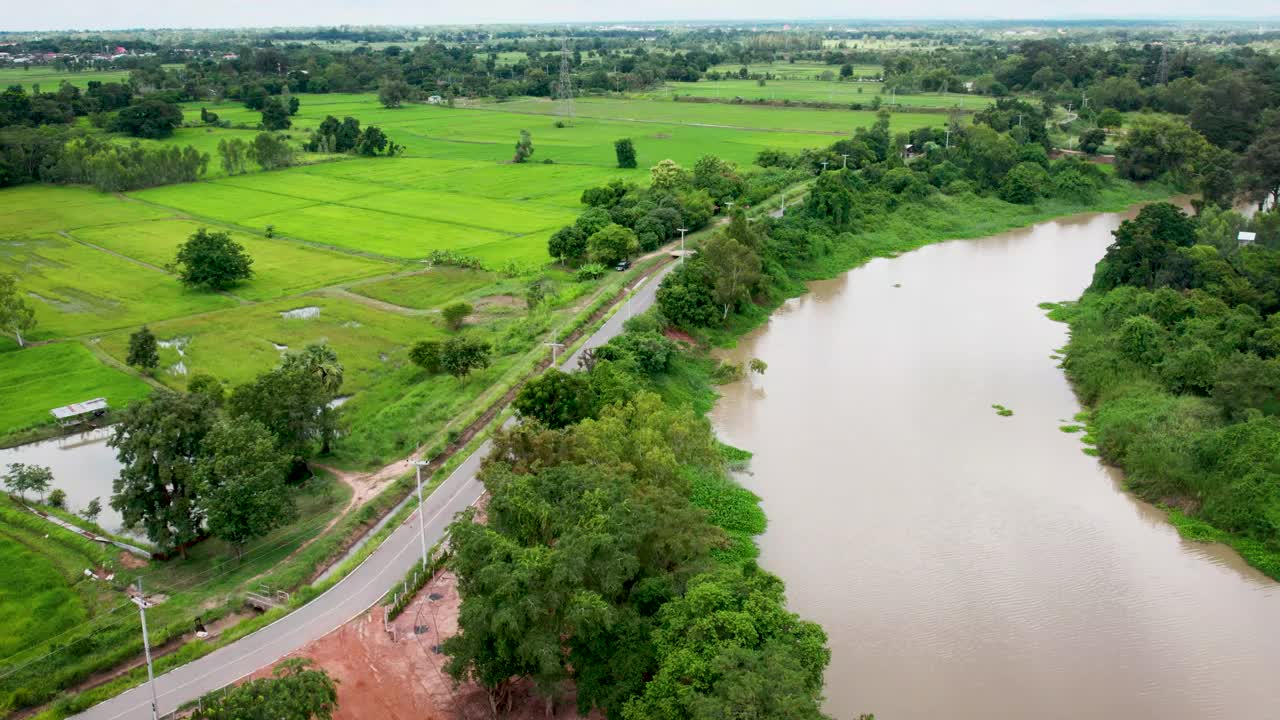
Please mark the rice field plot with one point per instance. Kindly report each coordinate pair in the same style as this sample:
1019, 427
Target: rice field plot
42, 377
724, 115
220, 201
797, 71
237, 344
372, 231
402, 173
819, 91
428, 289
34, 209
78, 290
307, 186
49, 78
467, 210
280, 267
37, 601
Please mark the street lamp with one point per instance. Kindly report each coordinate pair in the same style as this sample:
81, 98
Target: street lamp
682, 232
422, 512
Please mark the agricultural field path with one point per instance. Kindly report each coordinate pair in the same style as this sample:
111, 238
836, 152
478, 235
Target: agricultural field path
351, 596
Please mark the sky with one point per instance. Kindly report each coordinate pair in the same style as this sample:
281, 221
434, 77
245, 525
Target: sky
118, 14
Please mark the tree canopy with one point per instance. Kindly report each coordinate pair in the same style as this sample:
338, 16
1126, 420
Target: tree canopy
212, 260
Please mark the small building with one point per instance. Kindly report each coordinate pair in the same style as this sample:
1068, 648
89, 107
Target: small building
435, 100
1246, 238
81, 412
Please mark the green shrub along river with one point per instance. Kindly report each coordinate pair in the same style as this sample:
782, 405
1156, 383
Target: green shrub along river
1176, 347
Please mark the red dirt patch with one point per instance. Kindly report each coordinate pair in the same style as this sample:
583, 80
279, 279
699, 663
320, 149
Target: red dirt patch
679, 336
399, 674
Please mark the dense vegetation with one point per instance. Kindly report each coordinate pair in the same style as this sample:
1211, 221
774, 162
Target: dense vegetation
617, 554
1176, 346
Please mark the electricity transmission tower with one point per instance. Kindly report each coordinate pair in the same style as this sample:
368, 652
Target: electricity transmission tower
566, 82
1162, 75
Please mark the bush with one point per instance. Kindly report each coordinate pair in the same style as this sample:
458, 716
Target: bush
58, 498
590, 271
455, 314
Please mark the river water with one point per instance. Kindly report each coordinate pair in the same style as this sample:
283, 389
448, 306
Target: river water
967, 565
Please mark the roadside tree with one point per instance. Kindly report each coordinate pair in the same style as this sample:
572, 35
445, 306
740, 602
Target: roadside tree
556, 399
735, 271
241, 480
612, 243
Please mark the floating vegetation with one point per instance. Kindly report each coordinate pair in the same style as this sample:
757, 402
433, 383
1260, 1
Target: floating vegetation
1001, 410
1070, 428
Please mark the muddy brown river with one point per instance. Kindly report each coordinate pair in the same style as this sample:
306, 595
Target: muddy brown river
967, 565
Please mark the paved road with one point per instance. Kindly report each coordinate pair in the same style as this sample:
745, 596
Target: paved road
352, 595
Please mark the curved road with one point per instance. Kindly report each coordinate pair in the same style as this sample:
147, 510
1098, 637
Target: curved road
355, 593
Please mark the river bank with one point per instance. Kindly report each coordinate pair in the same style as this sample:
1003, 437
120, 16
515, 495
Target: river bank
935, 538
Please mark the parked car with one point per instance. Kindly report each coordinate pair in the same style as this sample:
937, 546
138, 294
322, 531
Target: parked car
623, 265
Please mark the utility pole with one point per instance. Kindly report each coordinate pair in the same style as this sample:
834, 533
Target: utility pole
824, 166
555, 348
729, 206
845, 158
422, 513
566, 80
948, 137
141, 601
682, 232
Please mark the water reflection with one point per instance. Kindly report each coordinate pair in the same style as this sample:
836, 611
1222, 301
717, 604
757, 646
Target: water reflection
83, 467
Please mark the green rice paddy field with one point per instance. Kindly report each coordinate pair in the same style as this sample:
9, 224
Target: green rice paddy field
49, 78
820, 91
348, 238
797, 70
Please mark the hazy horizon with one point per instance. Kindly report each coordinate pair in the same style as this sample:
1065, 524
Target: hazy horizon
76, 15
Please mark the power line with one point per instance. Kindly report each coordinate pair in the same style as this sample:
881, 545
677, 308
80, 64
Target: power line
566, 81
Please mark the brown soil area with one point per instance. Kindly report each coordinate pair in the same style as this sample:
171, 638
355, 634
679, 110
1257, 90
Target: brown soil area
396, 673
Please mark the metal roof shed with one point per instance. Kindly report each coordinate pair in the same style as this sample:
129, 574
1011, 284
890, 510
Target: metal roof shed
77, 412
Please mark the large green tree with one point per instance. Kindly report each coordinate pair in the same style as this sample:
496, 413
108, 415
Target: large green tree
241, 481
612, 243
556, 399
729, 649
293, 400
152, 119
735, 271
212, 260
159, 442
